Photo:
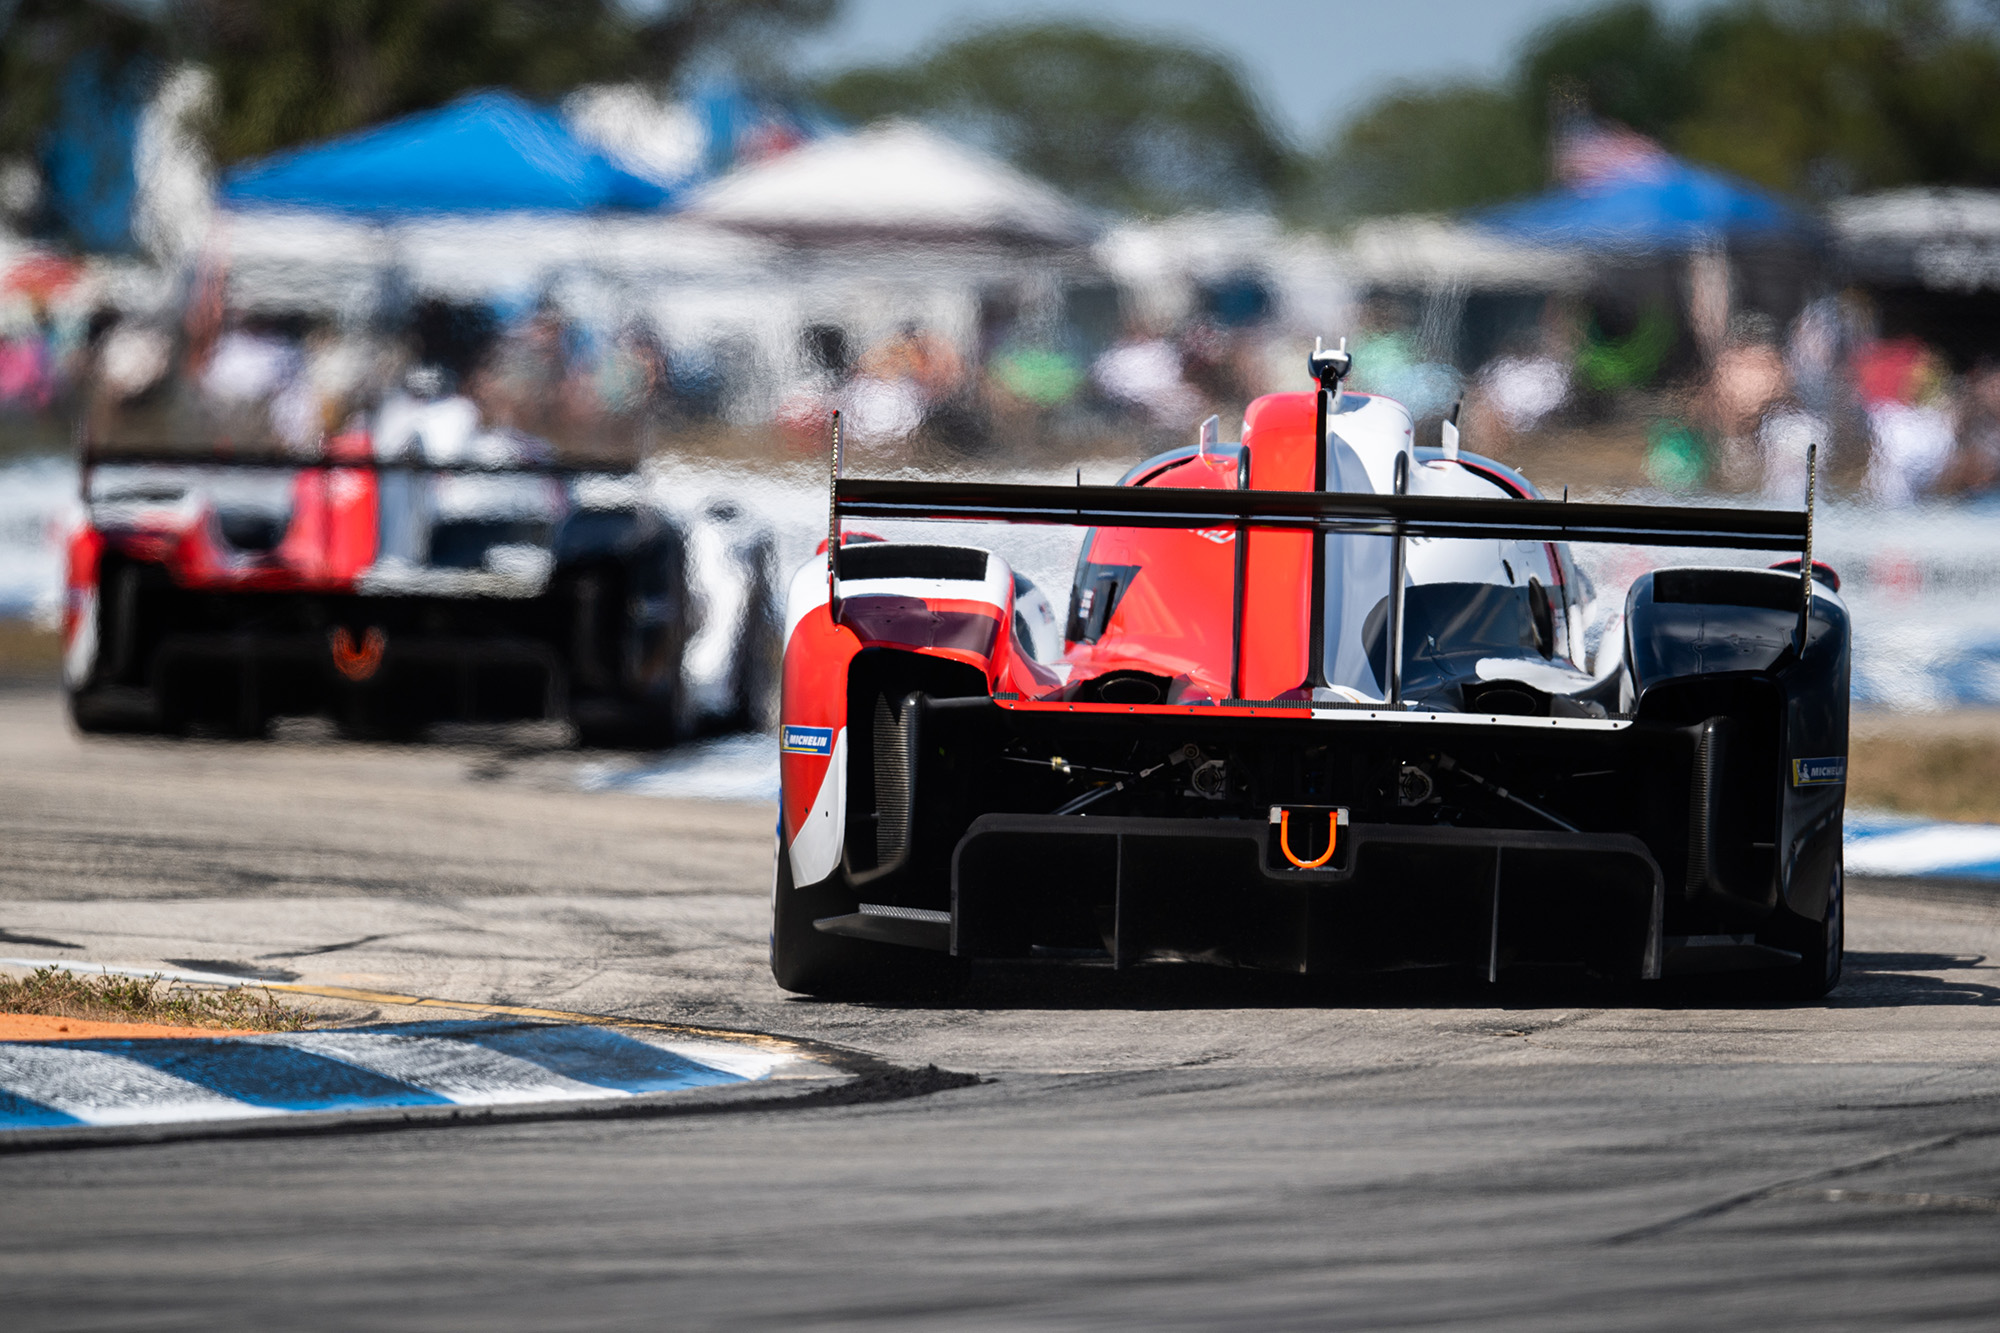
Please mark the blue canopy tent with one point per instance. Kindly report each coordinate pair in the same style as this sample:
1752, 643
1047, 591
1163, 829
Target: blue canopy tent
487, 152
1667, 206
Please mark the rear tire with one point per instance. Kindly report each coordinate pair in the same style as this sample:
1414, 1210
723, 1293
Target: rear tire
100, 703
1822, 947
628, 668
811, 962
759, 660
94, 712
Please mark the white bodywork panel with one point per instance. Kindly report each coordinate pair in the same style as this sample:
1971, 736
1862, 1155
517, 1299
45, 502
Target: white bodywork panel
1364, 436
816, 849
808, 589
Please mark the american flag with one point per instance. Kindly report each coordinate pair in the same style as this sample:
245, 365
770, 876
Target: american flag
1589, 151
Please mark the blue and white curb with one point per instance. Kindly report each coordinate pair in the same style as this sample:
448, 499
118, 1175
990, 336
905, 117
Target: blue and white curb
170, 1080
1895, 845
729, 768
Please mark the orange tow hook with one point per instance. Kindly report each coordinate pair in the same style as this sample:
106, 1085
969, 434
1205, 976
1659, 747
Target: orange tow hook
1283, 819
357, 662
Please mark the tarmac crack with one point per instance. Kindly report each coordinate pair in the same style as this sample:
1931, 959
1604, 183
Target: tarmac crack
39, 941
1793, 1184
327, 948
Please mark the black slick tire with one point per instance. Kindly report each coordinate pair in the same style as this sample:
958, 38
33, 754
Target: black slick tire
809, 961
1821, 945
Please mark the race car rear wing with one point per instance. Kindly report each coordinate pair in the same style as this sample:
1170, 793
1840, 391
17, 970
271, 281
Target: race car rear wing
1325, 511
266, 459
1320, 512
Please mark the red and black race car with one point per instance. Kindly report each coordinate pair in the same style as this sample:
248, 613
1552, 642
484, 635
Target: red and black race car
222, 593
1325, 705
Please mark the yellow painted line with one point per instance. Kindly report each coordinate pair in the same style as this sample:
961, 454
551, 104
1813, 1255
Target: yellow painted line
812, 1052
776, 1044
1968, 1203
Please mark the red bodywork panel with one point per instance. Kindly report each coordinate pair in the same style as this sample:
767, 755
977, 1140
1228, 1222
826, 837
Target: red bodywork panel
1175, 618
331, 540
815, 693
86, 549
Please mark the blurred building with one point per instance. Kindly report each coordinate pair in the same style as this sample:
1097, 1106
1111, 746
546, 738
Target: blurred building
1929, 260
1471, 293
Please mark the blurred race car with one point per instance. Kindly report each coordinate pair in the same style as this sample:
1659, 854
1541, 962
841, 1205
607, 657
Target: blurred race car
1324, 705
389, 595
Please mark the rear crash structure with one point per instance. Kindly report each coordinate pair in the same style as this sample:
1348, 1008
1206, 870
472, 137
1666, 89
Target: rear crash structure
1323, 705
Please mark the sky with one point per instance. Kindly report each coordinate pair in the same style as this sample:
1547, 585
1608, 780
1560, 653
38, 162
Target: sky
1314, 62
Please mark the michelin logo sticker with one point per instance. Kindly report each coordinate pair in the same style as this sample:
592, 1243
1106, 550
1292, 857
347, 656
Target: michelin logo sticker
806, 740
1819, 772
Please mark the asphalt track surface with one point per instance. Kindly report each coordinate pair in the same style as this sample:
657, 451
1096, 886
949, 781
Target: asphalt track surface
1168, 1148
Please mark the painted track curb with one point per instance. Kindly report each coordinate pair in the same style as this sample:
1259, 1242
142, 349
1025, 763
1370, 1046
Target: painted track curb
886, 1084
772, 1072
1907, 847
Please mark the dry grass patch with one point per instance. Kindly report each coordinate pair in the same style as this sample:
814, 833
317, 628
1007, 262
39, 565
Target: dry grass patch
29, 652
1941, 776
107, 999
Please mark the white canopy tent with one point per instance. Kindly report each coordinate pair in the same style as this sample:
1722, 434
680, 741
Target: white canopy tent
894, 179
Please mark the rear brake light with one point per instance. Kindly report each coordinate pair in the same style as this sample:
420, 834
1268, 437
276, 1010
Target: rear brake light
1822, 571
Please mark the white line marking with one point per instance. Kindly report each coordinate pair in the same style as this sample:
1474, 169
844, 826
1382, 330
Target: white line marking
121, 970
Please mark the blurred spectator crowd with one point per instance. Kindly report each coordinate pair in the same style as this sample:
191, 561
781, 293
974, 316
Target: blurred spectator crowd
1891, 416
1888, 413
466, 383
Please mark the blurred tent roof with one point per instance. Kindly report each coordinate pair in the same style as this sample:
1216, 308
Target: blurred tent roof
1665, 204
486, 152
894, 179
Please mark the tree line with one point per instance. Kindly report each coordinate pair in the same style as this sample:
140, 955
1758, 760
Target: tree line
292, 71
1818, 97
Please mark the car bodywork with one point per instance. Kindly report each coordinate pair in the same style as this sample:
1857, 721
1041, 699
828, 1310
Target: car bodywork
214, 593
1232, 761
